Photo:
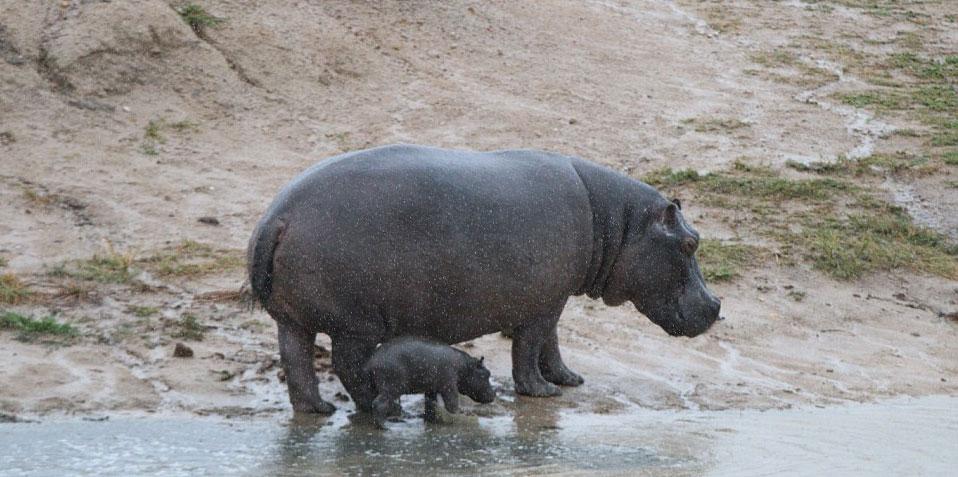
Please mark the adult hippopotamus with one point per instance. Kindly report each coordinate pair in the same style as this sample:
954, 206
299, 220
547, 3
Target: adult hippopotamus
451, 245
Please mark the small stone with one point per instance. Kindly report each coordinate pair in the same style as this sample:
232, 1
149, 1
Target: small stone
573, 121
182, 351
209, 220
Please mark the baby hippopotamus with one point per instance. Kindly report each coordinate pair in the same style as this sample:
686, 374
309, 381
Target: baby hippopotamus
410, 365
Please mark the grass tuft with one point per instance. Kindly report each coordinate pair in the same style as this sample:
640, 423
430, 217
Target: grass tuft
30, 328
197, 17
13, 291
875, 165
108, 267
189, 328
193, 259
722, 262
143, 311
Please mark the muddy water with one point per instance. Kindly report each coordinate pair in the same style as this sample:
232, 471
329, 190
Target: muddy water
899, 437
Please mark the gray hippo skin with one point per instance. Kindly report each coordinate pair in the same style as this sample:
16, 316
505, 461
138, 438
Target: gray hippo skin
411, 365
452, 245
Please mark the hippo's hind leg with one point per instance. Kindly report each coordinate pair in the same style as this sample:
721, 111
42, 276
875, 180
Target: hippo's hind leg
296, 349
528, 341
350, 354
551, 365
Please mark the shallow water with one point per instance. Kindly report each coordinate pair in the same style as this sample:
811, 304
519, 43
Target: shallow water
899, 437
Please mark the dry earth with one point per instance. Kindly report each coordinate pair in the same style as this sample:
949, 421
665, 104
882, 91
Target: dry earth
121, 127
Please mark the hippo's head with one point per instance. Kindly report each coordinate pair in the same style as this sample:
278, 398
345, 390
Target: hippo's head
474, 382
656, 270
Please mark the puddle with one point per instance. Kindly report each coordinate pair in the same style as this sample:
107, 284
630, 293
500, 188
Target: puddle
900, 437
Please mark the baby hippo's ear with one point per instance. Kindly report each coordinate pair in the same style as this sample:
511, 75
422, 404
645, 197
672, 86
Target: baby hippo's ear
481, 359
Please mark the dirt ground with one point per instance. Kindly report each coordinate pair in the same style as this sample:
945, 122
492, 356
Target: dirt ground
121, 127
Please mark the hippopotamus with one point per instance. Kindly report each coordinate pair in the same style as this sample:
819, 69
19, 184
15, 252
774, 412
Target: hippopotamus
451, 245
412, 365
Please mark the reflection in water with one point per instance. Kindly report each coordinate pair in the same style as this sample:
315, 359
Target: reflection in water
355, 446
901, 437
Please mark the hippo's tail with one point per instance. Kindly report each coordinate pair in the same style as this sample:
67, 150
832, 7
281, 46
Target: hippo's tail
259, 257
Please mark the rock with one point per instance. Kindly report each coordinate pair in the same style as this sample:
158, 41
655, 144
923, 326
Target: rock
182, 351
209, 220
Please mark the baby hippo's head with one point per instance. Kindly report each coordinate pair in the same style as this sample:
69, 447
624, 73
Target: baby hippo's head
474, 382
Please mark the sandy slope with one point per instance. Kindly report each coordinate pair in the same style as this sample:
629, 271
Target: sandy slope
282, 84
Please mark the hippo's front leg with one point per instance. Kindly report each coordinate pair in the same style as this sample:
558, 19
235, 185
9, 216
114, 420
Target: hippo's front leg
528, 341
551, 365
296, 349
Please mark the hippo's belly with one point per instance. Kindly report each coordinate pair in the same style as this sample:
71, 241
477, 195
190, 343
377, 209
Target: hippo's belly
444, 244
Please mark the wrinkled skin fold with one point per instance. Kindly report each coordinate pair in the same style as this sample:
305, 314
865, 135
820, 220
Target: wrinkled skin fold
452, 245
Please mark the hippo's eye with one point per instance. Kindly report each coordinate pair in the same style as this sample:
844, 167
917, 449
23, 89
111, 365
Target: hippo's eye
689, 245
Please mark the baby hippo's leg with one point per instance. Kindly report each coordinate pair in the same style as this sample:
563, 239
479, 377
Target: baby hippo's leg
431, 415
382, 407
450, 398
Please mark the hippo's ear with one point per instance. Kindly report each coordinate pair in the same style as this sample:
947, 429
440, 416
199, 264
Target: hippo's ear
481, 359
670, 216
678, 203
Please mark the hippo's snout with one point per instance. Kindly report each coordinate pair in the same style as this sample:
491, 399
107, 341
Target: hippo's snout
695, 316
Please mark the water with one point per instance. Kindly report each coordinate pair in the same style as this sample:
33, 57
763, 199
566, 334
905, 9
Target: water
900, 437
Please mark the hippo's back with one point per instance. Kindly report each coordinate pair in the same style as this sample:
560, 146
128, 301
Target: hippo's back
408, 230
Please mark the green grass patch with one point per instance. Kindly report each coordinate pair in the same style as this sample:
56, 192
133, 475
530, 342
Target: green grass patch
107, 267
841, 229
143, 311
880, 99
197, 17
192, 259
868, 242
875, 165
30, 328
3, 261
946, 133
722, 262
152, 130
189, 328
939, 98
757, 182
950, 158
928, 69
13, 291
704, 125
153, 133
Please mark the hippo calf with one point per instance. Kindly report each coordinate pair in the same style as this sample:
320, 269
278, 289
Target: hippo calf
451, 245
411, 365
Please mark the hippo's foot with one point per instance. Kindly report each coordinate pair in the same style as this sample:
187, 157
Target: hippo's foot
563, 377
539, 388
314, 406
